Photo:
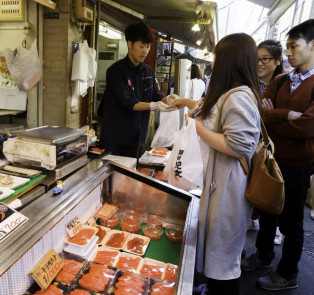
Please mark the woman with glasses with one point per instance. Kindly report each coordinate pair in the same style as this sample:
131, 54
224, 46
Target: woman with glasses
269, 63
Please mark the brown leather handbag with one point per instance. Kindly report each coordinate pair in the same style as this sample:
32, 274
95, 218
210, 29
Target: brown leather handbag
265, 188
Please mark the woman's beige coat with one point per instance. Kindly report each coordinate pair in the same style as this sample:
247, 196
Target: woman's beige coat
224, 213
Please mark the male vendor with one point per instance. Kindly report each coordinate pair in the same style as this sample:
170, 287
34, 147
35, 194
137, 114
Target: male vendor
131, 93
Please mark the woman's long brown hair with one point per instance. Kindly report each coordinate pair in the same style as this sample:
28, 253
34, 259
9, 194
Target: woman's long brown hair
235, 65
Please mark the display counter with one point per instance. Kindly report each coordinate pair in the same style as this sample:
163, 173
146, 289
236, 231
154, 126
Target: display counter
83, 194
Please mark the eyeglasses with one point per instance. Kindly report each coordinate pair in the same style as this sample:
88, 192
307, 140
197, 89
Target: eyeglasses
265, 60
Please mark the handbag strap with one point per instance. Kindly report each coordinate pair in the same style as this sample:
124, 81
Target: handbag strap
264, 134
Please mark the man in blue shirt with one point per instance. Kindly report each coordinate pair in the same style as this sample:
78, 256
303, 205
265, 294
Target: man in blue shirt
131, 93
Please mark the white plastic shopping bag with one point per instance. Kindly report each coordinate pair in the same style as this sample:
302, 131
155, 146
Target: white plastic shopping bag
184, 168
168, 127
24, 66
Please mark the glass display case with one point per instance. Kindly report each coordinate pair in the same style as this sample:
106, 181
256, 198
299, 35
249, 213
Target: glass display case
83, 194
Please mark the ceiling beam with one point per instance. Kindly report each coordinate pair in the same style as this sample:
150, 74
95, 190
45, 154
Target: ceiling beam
201, 21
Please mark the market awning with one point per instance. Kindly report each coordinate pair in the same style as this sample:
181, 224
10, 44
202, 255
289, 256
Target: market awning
173, 18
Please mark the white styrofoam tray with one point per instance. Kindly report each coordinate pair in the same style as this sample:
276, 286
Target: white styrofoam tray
114, 257
95, 229
145, 244
81, 251
110, 234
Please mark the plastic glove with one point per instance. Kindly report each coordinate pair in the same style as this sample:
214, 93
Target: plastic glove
160, 106
171, 98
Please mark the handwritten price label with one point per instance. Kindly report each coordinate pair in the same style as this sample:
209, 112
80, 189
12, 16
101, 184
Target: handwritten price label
106, 211
74, 226
47, 269
9, 220
91, 222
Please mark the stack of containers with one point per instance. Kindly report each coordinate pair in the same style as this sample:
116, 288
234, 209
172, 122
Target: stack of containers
83, 244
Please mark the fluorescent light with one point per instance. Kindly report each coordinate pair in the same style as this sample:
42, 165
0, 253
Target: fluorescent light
109, 32
196, 28
199, 42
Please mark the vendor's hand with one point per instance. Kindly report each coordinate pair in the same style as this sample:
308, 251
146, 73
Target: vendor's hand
292, 115
171, 98
267, 104
160, 106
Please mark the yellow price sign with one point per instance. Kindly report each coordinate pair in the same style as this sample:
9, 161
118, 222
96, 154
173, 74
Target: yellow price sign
47, 269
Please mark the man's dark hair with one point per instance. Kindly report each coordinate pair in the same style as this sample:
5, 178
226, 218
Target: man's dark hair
139, 32
304, 30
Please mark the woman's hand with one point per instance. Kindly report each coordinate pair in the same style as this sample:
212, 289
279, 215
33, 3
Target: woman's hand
267, 104
171, 98
183, 102
178, 103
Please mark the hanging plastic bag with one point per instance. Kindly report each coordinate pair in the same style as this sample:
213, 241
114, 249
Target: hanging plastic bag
165, 134
184, 168
84, 68
24, 66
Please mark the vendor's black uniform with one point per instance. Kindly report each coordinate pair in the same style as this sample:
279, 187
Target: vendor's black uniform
124, 129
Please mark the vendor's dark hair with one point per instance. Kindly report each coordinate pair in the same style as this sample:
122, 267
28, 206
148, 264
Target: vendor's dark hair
235, 65
195, 72
304, 30
275, 49
139, 32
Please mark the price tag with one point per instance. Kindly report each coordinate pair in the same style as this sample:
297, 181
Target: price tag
74, 226
106, 211
9, 220
47, 269
91, 222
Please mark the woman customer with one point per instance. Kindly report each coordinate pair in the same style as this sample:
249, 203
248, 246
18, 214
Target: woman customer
197, 85
224, 212
269, 65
